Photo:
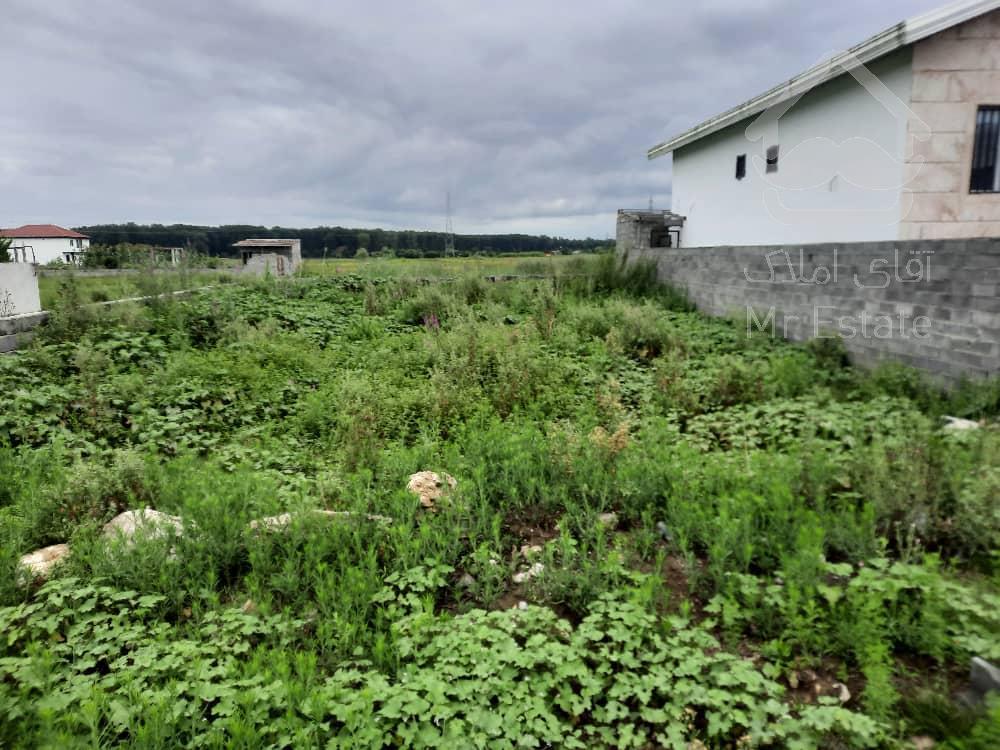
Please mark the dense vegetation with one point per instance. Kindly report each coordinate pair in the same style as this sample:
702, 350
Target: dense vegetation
333, 242
798, 554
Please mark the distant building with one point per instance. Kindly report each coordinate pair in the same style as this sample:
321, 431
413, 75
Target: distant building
896, 139
278, 257
45, 243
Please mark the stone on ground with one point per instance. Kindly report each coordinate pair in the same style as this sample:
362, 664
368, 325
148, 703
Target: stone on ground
984, 676
956, 423
527, 575
40, 562
430, 487
153, 524
608, 520
273, 523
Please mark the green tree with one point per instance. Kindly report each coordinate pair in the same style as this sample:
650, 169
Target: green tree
364, 241
5, 250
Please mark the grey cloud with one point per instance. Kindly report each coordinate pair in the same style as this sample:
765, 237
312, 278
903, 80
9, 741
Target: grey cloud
536, 116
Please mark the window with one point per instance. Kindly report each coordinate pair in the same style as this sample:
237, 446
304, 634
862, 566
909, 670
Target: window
772, 158
985, 176
741, 166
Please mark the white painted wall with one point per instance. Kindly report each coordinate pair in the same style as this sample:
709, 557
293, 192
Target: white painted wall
48, 249
18, 289
840, 171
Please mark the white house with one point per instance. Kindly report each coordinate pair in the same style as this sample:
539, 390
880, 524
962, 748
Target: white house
897, 138
44, 243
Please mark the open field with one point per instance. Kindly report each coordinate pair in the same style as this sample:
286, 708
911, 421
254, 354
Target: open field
122, 285
394, 268
662, 534
132, 283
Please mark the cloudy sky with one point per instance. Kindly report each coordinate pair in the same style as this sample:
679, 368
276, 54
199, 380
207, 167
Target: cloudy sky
535, 114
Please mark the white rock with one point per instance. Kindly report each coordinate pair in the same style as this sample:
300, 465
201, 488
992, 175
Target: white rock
40, 562
430, 487
153, 523
530, 550
608, 520
984, 676
956, 423
844, 694
522, 605
272, 523
527, 575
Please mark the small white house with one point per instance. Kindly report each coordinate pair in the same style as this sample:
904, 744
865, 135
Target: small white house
898, 138
45, 243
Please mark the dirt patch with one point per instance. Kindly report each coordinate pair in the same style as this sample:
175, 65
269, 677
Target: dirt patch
532, 527
509, 599
676, 579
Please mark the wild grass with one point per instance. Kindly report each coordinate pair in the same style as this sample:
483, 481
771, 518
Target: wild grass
53, 286
775, 514
396, 268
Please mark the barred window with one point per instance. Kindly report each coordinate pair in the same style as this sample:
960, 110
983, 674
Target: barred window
985, 164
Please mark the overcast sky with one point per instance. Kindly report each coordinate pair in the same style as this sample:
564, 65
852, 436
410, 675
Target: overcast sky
535, 115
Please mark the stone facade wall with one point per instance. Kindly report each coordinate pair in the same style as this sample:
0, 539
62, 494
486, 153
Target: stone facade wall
953, 73
930, 304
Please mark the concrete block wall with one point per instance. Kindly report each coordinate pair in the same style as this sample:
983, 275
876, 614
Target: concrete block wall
930, 304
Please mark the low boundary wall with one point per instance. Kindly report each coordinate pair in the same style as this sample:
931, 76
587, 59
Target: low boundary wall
930, 304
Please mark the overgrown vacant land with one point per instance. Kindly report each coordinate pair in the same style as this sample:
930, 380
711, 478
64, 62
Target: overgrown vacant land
85, 288
661, 534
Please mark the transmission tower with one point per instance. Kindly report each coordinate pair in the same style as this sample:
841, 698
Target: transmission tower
449, 231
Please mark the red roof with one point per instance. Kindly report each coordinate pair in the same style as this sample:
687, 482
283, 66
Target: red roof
40, 231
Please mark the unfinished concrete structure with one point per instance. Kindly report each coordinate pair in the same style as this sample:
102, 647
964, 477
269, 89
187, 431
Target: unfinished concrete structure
275, 256
20, 305
640, 229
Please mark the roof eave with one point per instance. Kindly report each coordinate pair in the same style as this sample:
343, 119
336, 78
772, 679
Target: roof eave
896, 37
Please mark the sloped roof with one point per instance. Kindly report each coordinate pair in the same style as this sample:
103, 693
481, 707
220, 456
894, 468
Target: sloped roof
40, 232
264, 243
895, 37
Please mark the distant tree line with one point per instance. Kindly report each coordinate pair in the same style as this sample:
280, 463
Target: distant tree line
333, 242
